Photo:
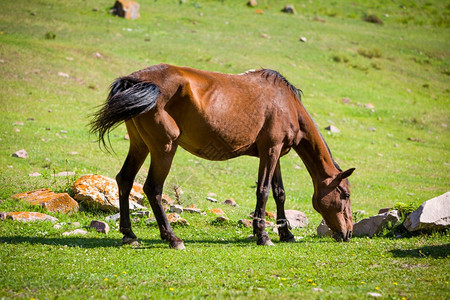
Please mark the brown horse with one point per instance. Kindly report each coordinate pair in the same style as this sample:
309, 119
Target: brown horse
217, 117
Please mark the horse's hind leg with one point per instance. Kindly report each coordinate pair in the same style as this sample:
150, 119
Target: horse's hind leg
136, 156
279, 196
267, 165
159, 169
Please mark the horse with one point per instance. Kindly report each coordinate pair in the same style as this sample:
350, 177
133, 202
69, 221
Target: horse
217, 117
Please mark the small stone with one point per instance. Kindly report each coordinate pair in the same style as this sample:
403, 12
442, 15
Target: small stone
192, 210
319, 19
75, 224
63, 131
222, 219
100, 226
98, 55
20, 154
230, 202
62, 74
245, 223
252, 3
297, 219
16, 130
2, 215
289, 9
35, 174
265, 36
31, 119
141, 214
333, 129
69, 58
75, 232
72, 153
384, 210
113, 218
317, 290
126, 137
369, 106
65, 173
211, 199
173, 217
303, 39
176, 208
217, 211
323, 229
19, 123
371, 129
58, 226
373, 294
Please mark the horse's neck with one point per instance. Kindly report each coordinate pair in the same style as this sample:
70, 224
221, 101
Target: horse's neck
314, 153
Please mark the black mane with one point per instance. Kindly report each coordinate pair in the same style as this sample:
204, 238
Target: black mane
278, 78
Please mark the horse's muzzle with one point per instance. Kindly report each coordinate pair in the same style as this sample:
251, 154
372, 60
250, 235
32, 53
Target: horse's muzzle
341, 237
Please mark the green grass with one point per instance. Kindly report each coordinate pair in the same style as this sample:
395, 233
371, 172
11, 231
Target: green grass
401, 67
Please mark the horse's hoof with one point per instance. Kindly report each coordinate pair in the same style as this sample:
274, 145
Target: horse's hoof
288, 239
178, 245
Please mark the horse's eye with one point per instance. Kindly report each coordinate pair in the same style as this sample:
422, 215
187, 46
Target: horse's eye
347, 195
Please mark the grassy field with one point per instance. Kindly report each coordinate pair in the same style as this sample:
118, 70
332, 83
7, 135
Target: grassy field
57, 60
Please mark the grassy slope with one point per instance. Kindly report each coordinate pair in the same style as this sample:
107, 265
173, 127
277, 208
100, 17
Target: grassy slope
407, 85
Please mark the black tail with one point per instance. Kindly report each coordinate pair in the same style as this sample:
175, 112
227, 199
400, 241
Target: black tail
128, 98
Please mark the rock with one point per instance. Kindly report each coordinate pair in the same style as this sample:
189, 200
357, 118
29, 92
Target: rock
113, 218
222, 219
217, 211
245, 223
252, 3
126, 9
373, 19
384, 210
101, 192
323, 229
65, 173
433, 214
176, 208
317, 290
26, 216
98, 55
369, 105
141, 214
345, 100
297, 219
21, 154
64, 75
2, 215
100, 226
211, 199
303, 39
373, 294
75, 232
173, 217
289, 9
62, 202
333, 129
230, 202
166, 200
193, 210
372, 225
371, 129
35, 174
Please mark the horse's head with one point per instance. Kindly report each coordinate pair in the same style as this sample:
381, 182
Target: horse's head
332, 201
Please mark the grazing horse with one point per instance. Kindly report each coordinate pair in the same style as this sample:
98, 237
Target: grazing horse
217, 117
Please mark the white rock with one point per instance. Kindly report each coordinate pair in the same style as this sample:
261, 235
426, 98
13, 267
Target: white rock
297, 219
75, 232
21, 154
176, 208
333, 129
432, 214
373, 225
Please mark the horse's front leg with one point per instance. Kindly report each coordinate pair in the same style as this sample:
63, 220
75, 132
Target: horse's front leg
280, 197
267, 166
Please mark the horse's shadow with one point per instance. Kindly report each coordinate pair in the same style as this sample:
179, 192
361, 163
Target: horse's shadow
105, 242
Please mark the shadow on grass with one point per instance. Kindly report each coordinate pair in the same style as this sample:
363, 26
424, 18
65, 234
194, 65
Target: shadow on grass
86, 242
438, 251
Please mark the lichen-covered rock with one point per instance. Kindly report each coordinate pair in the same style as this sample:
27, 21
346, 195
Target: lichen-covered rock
51, 201
101, 192
27, 216
217, 211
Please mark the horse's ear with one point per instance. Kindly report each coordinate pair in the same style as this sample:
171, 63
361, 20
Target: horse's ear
346, 174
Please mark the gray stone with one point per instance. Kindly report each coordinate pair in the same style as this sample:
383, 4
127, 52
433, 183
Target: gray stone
211, 199
374, 224
26, 216
100, 226
333, 129
113, 218
193, 210
373, 294
2, 215
433, 214
21, 154
323, 229
297, 219
176, 208
141, 214
290, 9
230, 202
